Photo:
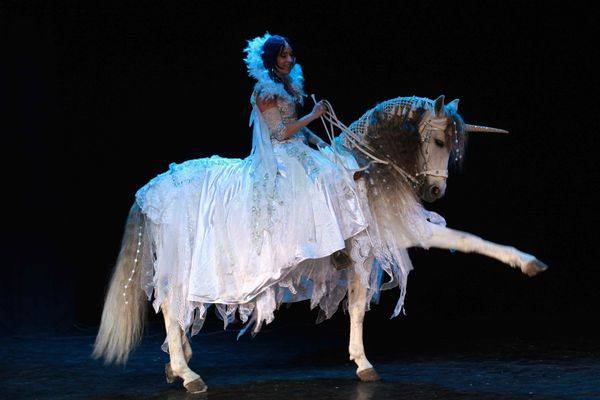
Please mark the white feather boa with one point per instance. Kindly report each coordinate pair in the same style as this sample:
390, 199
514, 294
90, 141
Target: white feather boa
265, 86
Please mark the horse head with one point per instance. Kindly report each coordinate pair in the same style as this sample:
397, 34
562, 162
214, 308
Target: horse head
413, 138
439, 136
442, 133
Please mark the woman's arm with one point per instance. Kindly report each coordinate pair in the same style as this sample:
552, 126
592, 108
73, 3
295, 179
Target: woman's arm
281, 131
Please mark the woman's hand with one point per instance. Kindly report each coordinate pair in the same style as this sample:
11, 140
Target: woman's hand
318, 110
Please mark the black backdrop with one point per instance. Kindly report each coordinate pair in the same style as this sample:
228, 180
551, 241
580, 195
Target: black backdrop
98, 98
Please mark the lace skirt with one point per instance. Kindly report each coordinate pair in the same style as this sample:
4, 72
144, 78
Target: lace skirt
200, 218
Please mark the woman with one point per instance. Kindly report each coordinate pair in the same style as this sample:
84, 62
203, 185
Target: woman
278, 60
280, 108
248, 234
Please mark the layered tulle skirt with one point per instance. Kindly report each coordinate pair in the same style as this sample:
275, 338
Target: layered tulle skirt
213, 242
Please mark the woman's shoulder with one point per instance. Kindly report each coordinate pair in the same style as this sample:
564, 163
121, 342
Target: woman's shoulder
262, 96
268, 91
264, 102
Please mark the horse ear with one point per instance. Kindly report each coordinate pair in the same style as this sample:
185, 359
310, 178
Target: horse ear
453, 105
439, 105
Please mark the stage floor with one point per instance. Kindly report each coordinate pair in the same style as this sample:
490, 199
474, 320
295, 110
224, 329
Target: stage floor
304, 361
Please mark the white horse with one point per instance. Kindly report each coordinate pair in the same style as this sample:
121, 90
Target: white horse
404, 147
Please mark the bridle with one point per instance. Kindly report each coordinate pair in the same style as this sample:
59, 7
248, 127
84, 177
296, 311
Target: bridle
425, 130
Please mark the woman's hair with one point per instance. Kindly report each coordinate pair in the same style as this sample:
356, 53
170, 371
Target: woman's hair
273, 46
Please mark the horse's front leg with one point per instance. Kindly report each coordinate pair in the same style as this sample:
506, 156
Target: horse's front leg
178, 367
357, 296
446, 238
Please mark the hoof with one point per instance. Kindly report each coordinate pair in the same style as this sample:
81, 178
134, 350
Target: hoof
196, 386
368, 375
171, 377
534, 267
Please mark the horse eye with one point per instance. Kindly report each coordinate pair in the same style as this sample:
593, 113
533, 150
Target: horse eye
439, 142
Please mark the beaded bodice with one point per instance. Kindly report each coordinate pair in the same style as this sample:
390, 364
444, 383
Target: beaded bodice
279, 117
287, 111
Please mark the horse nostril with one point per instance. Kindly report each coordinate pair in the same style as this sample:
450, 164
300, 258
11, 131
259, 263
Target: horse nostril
435, 191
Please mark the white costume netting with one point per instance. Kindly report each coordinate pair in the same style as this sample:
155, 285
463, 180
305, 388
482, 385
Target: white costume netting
249, 234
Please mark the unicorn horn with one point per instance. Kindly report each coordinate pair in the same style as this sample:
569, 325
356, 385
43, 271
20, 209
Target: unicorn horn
477, 128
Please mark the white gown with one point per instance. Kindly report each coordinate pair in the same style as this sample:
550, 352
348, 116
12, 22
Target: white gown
248, 234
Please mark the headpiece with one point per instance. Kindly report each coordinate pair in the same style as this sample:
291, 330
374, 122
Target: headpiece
266, 86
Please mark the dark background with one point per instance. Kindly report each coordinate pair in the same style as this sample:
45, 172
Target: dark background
98, 98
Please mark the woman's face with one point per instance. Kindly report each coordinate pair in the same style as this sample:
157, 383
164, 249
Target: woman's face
285, 59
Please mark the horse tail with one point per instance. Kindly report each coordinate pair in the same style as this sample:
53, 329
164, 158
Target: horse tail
125, 305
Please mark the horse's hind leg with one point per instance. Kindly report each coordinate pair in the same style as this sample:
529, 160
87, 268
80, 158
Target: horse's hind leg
178, 366
357, 296
187, 348
187, 353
